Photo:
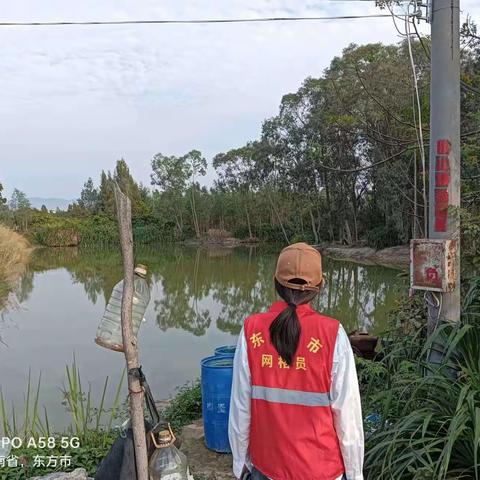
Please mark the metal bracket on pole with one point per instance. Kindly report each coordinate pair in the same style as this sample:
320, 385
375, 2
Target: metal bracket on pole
423, 10
433, 265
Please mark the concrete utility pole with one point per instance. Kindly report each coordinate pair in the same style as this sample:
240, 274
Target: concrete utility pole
444, 173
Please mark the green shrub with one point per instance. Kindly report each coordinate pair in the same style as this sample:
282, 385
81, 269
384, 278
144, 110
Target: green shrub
305, 237
383, 237
185, 407
430, 426
57, 236
97, 230
470, 237
90, 452
241, 231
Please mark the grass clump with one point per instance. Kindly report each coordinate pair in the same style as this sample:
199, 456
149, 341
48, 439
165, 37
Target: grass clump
185, 407
429, 426
87, 454
86, 441
14, 254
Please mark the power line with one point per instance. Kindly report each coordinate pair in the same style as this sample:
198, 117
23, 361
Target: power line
419, 107
361, 169
195, 21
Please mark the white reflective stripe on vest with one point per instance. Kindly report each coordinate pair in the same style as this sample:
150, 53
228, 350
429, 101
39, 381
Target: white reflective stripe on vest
291, 397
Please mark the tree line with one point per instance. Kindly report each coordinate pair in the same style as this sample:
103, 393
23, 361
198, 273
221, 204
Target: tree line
344, 160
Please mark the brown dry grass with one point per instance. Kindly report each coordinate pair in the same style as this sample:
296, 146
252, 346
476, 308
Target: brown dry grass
218, 233
14, 253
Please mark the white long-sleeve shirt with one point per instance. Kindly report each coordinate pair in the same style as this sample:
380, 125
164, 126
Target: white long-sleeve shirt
345, 404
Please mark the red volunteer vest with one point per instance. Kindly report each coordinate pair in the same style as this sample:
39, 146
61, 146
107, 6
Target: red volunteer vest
292, 436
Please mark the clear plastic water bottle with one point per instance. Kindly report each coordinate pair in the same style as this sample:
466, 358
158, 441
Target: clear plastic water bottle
109, 333
167, 462
5, 447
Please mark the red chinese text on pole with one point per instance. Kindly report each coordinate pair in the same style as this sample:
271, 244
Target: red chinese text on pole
442, 183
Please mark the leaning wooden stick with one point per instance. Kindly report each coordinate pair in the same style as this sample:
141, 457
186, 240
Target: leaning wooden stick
124, 215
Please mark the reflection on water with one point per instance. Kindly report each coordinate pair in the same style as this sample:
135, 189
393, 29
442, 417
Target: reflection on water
200, 298
196, 283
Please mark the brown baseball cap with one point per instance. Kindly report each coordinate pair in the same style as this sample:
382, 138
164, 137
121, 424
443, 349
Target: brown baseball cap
299, 261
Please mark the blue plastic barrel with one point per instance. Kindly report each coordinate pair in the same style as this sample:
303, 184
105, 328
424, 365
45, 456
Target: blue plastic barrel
372, 423
225, 350
216, 386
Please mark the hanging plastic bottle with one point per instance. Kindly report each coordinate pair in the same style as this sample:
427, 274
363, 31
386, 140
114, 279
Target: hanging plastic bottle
109, 333
5, 448
167, 462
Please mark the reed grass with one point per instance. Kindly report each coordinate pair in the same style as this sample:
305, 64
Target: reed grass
85, 417
32, 423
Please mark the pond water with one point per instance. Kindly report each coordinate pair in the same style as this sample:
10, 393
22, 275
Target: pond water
200, 298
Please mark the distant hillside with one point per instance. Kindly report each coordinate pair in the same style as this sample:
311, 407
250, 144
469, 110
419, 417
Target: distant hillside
50, 203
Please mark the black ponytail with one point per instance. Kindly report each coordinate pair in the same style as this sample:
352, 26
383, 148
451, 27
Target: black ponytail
285, 329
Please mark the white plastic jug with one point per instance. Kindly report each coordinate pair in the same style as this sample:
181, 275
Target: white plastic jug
167, 462
109, 333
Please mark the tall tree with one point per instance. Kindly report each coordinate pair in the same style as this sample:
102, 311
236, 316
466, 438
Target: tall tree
3, 200
238, 173
20, 206
89, 197
196, 166
106, 194
174, 176
170, 175
19, 201
128, 185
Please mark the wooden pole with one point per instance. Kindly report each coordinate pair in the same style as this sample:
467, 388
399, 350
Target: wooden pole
124, 215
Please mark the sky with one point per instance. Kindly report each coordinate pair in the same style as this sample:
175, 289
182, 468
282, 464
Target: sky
75, 99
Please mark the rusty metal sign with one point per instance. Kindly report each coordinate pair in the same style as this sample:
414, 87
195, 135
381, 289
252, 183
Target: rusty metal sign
433, 264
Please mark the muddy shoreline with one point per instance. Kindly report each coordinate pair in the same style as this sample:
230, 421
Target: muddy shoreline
393, 257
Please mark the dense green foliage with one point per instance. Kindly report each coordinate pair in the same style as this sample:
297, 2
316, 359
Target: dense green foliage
340, 162
87, 455
54, 230
185, 406
430, 414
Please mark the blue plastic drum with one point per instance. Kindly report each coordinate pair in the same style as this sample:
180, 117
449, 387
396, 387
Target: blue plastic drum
216, 386
225, 350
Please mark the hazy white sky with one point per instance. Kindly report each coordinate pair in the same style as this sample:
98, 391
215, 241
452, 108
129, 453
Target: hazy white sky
75, 99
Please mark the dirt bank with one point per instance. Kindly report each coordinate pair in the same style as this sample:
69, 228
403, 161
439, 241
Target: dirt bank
204, 464
14, 255
394, 257
227, 242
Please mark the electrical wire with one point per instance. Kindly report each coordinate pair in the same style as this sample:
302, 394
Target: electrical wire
361, 169
466, 87
194, 21
394, 16
436, 305
420, 124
